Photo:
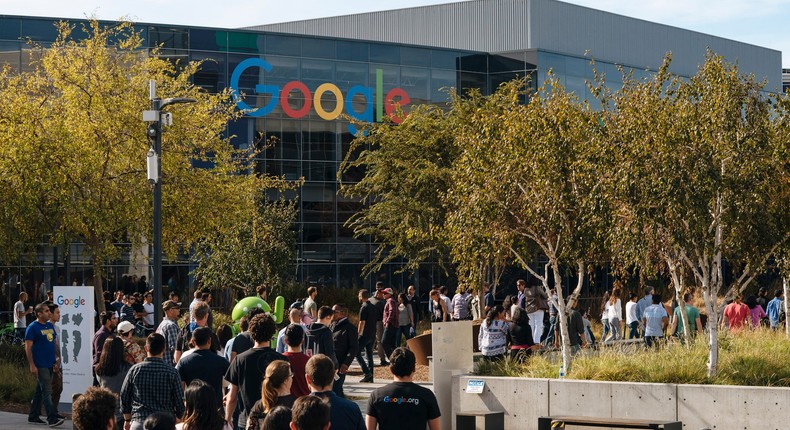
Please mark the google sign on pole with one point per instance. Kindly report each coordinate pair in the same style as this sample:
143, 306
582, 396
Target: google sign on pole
377, 102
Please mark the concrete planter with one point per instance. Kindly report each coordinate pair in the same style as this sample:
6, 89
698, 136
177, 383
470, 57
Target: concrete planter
698, 406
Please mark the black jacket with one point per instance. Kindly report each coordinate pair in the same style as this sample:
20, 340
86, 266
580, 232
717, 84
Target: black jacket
346, 341
318, 340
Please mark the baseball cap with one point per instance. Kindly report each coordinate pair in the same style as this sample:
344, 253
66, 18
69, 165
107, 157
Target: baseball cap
387, 291
169, 304
125, 327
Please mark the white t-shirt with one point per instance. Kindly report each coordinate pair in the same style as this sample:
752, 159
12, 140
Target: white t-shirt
630, 312
148, 319
614, 311
19, 322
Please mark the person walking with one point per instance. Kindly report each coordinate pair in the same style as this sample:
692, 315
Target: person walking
390, 322
275, 391
345, 414
420, 411
57, 374
111, 372
168, 328
43, 358
774, 309
378, 303
108, 321
655, 321
294, 338
247, 371
406, 324
614, 313
203, 363
535, 302
346, 342
151, 386
20, 315
630, 317
366, 332
693, 316
736, 314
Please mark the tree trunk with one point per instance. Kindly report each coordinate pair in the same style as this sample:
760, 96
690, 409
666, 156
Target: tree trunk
785, 287
713, 331
563, 309
677, 282
98, 290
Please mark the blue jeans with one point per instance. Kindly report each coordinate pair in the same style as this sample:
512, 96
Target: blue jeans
403, 331
43, 394
549, 342
367, 345
633, 332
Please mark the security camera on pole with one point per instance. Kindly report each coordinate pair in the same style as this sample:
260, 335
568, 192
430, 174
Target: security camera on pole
156, 118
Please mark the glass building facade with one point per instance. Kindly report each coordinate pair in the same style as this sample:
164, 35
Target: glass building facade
297, 89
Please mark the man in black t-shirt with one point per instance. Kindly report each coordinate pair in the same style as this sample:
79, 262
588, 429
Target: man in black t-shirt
203, 363
243, 341
246, 372
402, 404
366, 330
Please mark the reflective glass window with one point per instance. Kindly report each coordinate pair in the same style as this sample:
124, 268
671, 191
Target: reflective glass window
442, 81
384, 53
10, 54
39, 30
318, 48
470, 80
318, 71
352, 51
349, 74
212, 75
442, 59
411, 56
246, 42
208, 40
283, 45
320, 171
10, 28
475, 63
416, 83
510, 63
284, 70
168, 37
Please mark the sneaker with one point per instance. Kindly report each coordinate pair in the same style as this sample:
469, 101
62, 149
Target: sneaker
367, 378
56, 422
35, 420
385, 363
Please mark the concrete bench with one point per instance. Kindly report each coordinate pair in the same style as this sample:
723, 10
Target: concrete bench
480, 420
549, 423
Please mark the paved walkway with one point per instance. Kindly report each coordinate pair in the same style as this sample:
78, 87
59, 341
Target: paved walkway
359, 392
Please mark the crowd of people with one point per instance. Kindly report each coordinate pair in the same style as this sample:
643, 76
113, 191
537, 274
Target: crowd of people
188, 376
191, 377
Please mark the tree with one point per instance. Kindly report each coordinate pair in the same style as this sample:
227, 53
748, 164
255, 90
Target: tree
406, 173
696, 175
260, 250
73, 149
529, 177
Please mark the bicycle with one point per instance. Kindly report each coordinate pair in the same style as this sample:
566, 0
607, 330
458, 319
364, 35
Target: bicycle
8, 335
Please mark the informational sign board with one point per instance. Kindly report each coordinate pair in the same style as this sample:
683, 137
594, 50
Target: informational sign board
474, 386
76, 335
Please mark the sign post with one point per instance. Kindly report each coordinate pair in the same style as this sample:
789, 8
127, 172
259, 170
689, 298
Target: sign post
76, 335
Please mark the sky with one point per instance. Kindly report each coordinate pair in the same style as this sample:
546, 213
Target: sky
759, 22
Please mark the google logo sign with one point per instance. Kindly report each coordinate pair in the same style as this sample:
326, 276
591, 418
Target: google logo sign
375, 98
76, 302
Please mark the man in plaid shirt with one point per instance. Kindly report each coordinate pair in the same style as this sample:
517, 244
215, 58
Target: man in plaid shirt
151, 386
169, 329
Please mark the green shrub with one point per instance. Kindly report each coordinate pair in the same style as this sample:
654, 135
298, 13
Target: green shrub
17, 384
755, 358
13, 354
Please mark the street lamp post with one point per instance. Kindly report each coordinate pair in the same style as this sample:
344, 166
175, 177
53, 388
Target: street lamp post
155, 117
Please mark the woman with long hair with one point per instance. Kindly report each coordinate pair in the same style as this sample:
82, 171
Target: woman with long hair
275, 391
405, 319
437, 306
111, 371
493, 334
202, 410
520, 336
605, 314
614, 312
